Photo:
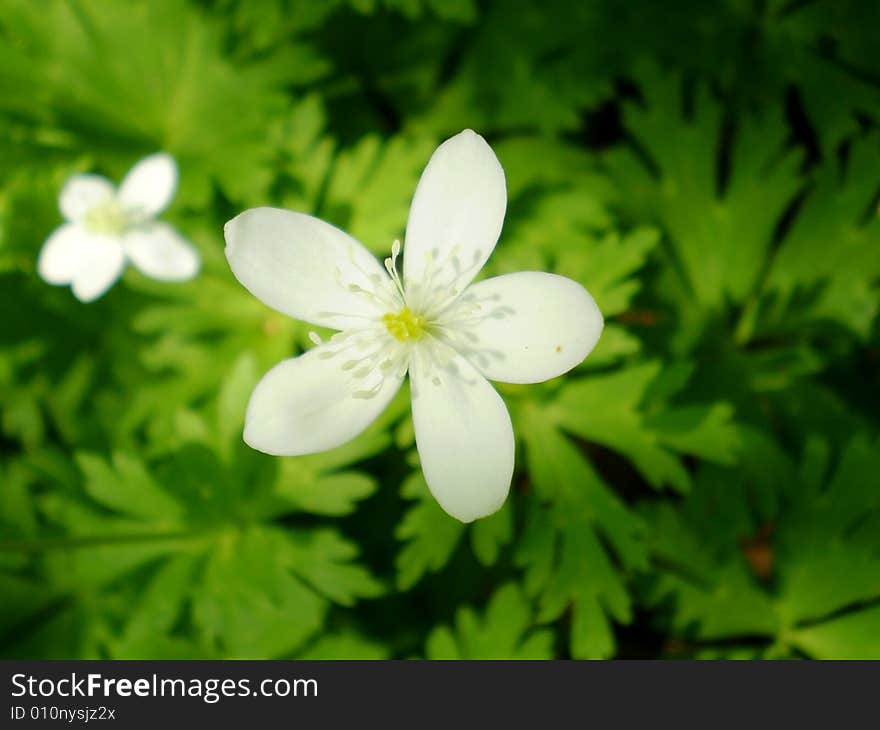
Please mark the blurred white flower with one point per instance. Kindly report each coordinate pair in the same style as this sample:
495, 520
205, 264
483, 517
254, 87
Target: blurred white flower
525, 327
105, 227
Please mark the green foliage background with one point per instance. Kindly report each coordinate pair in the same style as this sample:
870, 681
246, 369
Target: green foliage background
706, 484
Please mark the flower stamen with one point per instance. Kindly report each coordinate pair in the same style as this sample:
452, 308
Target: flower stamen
107, 217
405, 325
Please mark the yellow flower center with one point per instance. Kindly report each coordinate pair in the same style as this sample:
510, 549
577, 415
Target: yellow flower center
107, 217
405, 325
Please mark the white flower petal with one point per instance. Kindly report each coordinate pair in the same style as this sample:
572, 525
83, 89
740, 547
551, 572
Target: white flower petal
309, 404
81, 193
63, 252
90, 262
304, 267
149, 186
100, 265
464, 437
456, 213
531, 326
159, 251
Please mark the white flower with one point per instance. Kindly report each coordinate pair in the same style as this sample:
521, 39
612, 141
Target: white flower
518, 328
105, 227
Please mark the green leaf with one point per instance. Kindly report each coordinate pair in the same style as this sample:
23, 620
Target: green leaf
565, 562
812, 280
325, 561
148, 630
505, 631
429, 534
720, 235
249, 604
718, 559
176, 91
128, 488
854, 636
606, 409
333, 494
372, 186
347, 645
254, 588
519, 63
492, 533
